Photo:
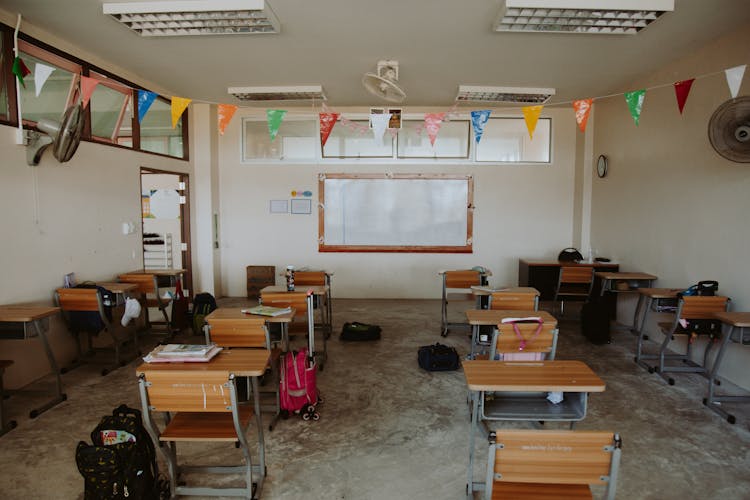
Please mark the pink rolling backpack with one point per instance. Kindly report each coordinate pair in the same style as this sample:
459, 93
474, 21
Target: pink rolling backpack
298, 391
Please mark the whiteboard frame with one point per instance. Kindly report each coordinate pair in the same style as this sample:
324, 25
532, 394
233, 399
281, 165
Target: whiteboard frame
467, 248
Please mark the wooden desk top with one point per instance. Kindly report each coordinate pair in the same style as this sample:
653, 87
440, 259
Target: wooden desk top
660, 293
159, 272
117, 287
493, 316
520, 376
487, 290
25, 314
316, 289
241, 362
236, 313
608, 275
734, 318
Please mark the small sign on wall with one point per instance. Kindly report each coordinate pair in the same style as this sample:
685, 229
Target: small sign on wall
301, 206
279, 207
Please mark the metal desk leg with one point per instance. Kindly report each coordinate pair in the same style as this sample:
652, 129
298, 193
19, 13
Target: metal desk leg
59, 395
472, 430
474, 340
635, 330
5, 426
261, 442
639, 356
713, 401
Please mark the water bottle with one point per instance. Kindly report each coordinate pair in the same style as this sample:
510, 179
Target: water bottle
289, 278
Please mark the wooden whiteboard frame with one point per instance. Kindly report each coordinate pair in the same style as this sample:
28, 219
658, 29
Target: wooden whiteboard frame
467, 248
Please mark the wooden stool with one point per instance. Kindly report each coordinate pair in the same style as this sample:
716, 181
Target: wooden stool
4, 426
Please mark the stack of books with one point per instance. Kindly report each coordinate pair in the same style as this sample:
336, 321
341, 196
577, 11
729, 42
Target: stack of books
267, 310
182, 353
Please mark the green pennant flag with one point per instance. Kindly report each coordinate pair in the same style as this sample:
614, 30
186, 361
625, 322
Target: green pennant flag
275, 117
635, 103
20, 70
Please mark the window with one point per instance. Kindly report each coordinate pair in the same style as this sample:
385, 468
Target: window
157, 134
507, 140
296, 140
110, 108
452, 142
357, 142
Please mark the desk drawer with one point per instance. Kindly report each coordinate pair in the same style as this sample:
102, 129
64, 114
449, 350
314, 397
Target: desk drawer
534, 406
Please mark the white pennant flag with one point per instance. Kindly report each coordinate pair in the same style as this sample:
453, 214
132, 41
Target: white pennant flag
41, 73
734, 79
379, 126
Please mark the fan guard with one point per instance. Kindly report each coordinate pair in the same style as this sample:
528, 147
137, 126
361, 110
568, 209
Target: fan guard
64, 136
729, 130
383, 84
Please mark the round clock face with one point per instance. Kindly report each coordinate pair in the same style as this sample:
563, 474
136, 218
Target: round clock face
601, 166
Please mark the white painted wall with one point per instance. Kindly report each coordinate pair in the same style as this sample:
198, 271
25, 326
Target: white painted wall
521, 211
670, 205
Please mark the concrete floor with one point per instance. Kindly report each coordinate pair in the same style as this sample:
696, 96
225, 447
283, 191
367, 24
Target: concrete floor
389, 430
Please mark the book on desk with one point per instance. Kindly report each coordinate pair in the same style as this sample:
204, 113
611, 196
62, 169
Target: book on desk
182, 353
267, 310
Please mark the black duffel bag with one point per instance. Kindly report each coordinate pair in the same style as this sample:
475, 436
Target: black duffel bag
438, 358
360, 331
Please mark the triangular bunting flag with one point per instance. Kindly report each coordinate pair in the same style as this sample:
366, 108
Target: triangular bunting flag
582, 108
275, 117
531, 115
681, 91
433, 121
327, 121
87, 88
20, 70
635, 103
479, 120
179, 105
225, 112
41, 74
734, 79
379, 125
145, 100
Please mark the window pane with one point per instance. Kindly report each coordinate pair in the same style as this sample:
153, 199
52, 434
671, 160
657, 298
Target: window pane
106, 108
357, 142
452, 140
157, 134
507, 140
53, 94
296, 140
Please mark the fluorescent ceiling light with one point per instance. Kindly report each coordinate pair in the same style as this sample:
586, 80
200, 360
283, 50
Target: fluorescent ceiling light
512, 95
195, 17
614, 17
298, 93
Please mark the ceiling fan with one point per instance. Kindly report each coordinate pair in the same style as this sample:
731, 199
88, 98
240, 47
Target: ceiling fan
729, 129
64, 136
383, 84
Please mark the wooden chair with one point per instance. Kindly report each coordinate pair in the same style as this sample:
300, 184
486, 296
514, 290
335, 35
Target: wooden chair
506, 340
574, 282
457, 288
698, 313
296, 299
247, 333
519, 301
318, 278
151, 296
77, 302
542, 464
198, 406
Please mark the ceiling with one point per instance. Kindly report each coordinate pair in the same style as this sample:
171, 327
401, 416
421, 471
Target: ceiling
439, 44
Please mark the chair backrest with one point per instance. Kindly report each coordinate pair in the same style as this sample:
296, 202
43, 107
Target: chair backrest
576, 274
519, 301
189, 390
297, 300
555, 457
241, 332
701, 306
146, 282
78, 299
507, 341
310, 278
462, 279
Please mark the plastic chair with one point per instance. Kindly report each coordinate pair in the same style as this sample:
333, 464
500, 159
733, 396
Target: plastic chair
574, 282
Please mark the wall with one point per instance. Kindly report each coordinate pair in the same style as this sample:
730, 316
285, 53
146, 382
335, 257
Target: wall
670, 205
65, 218
521, 211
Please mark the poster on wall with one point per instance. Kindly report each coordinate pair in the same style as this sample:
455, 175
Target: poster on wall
160, 204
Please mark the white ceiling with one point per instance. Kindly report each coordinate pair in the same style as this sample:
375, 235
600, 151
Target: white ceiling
438, 43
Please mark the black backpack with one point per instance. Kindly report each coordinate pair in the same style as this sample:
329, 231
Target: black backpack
90, 321
203, 304
438, 358
121, 462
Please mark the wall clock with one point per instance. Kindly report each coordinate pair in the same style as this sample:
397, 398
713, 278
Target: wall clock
601, 166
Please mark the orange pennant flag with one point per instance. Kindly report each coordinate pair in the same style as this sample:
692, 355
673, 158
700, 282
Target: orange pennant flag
226, 112
582, 108
87, 88
179, 105
531, 115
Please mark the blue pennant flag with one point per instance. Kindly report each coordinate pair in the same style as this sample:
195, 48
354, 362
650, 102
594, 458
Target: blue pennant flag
145, 100
479, 120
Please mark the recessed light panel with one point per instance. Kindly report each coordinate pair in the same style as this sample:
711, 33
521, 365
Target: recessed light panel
297, 93
510, 95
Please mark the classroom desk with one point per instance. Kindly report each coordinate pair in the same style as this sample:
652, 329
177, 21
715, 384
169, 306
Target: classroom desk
491, 317
543, 274
610, 282
526, 384
22, 322
737, 323
234, 313
121, 290
242, 363
166, 277
656, 299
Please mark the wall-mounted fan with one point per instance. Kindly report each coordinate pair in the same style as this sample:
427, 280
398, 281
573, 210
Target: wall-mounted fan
729, 129
384, 84
63, 136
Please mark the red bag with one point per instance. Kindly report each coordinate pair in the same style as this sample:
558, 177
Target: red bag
298, 391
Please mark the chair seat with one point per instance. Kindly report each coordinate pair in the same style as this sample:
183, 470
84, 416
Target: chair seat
540, 491
189, 426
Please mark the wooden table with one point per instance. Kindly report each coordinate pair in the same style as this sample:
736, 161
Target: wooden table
16, 322
491, 317
648, 299
737, 322
634, 281
523, 388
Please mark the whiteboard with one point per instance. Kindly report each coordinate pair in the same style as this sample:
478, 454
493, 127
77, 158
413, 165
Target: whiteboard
395, 213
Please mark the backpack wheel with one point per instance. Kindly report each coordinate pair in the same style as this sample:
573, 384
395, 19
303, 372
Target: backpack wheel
316, 416
305, 416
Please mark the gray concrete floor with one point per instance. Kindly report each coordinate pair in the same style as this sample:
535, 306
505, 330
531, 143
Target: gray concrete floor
389, 430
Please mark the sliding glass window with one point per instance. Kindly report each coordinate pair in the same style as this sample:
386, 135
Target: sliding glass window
157, 134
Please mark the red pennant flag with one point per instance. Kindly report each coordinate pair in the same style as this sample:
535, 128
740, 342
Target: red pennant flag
582, 108
432, 122
327, 121
681, 90
87, 88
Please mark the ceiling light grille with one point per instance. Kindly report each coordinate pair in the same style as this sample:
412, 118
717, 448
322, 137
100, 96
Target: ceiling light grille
298, 93
193, 17
509, 95
580, 16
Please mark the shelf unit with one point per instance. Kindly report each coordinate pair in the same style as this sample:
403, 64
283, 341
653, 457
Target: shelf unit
157, 251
